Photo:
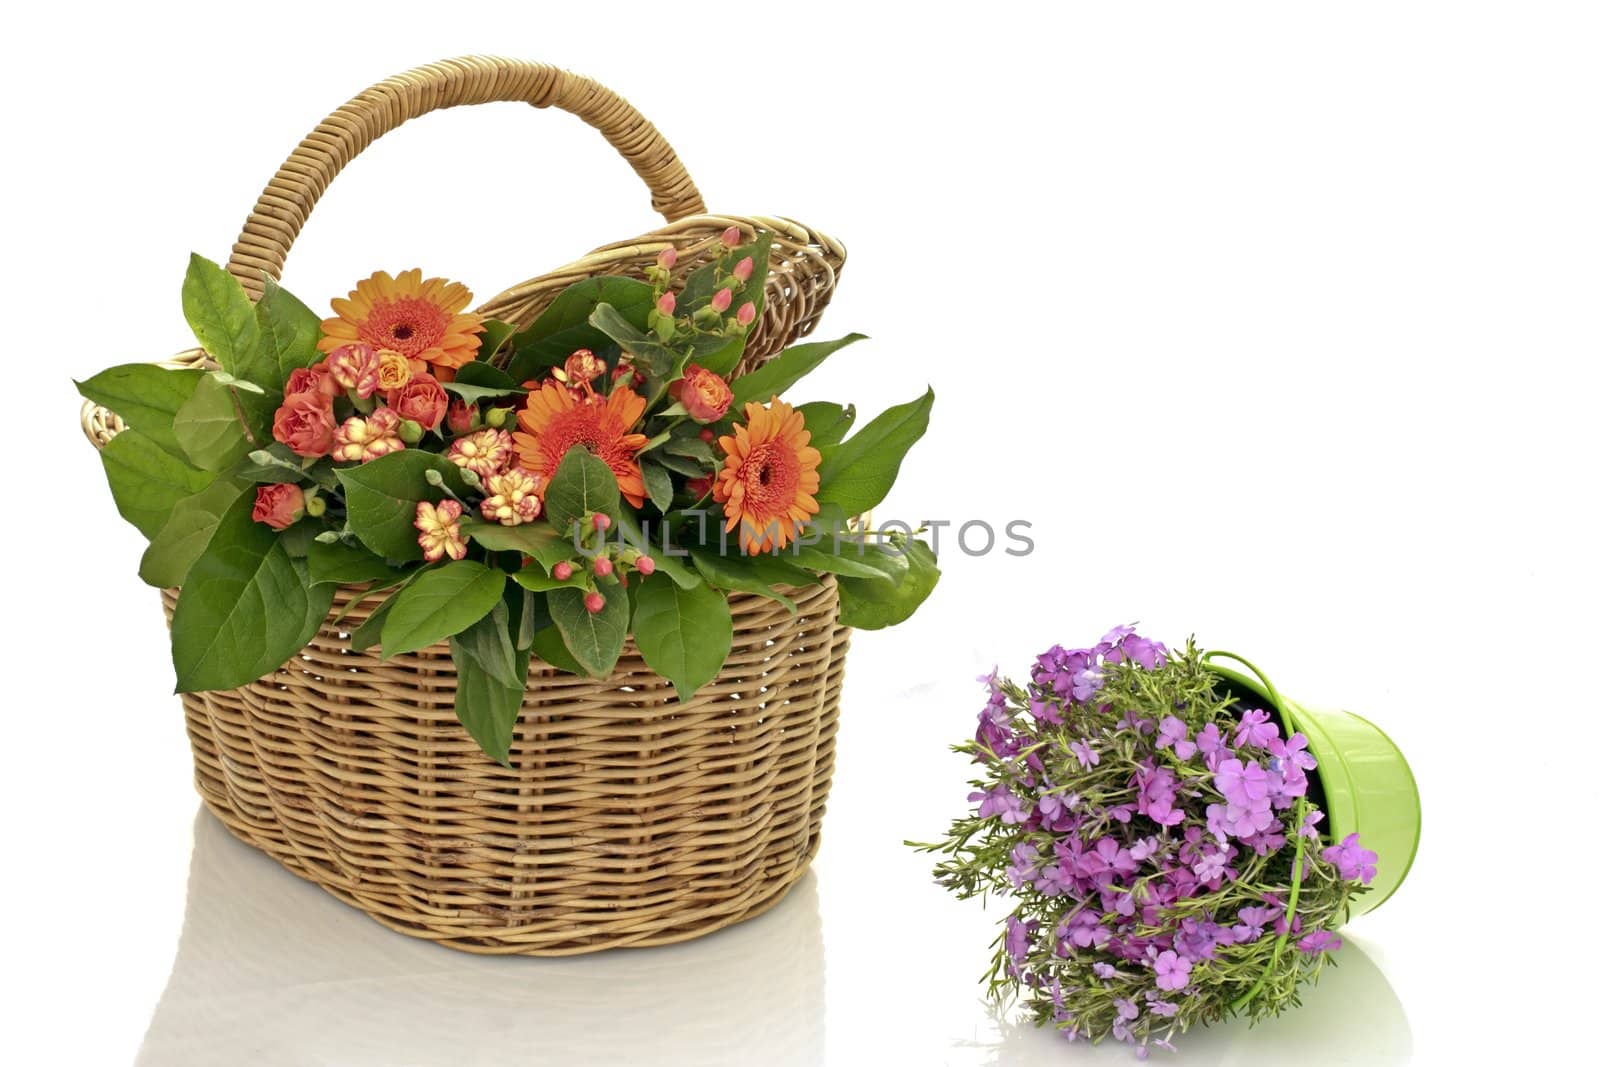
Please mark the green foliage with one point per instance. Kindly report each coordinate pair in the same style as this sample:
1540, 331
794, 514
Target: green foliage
909, 573
339, 563
443, 601
211, 426
827, 422
246, 607
564, 326
147, 481
683, 634
222, 317
540, 540
582, 485
785, 369
381, 499
762, 575
147, 397
594, 639
491, 680
289, 332
187, 532
858, 472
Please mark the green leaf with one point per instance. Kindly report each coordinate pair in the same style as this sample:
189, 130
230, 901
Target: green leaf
668, 557
582, 484
828, 423
381, 499
691, 447
474, 393
289, 335
536, 580
858, 473
221, 316
845, 561
652, 357
211, 427
486, 375
550, 646
718, 354
701, 285
339, 563
147, 397
495, 334
595, 640
657, 484
371, 630
872, 605
563, 327
491, 682
537, 539
683, 634
751, 574
524, 607
786, 368
246, 607
147, 481
180, 542
442, 602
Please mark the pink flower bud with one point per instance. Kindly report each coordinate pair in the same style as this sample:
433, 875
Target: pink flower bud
722, 300
645, 565
731, 237
595, 603
561, 571
603, 567
746, 313
744, 268
666, 303
667, 258
602, 521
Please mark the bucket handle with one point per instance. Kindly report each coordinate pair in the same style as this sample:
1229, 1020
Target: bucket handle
1299, 838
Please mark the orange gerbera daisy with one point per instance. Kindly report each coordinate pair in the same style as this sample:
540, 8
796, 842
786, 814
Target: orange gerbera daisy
768, 483
555, 419
422, 320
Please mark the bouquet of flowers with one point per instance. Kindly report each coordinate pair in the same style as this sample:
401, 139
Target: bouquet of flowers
1160, 840
545, 491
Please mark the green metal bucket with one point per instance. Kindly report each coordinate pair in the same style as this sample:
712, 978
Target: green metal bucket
1366, 786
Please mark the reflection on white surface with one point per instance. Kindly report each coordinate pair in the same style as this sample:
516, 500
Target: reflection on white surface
1350, 1016
271, 970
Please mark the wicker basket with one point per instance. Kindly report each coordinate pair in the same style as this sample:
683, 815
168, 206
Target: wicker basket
626, 817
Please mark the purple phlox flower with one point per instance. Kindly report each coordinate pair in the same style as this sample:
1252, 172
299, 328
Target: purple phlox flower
995, 740
1085, 929
1244, 785
1126, 1009
1121, 813
1120, 1031
1210, 743
1353, 861
1255, 728
1115, 636
1024, 865
1175, 735
1164, 1008
1045, 710
1308, 828
1134, 724
1252, 920
1055, 880
1105, 970
1145, 652
1085, 753
1002, 802
1197, 939
1110, 859
1055, 811
1144, 848
1213, 866
1019, 937
1319, 941
1172, 971
1086, 683
1117, 901
1293, 752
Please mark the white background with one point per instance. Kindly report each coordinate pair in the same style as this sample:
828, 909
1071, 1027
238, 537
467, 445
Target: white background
1277, 321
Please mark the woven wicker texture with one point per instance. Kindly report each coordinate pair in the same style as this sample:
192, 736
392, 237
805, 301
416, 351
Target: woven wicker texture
804, 268
626, 817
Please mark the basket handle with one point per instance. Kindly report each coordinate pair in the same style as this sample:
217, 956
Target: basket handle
288, 199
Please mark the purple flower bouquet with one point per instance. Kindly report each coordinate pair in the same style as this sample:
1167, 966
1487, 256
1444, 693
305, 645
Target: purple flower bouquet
1159, 836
